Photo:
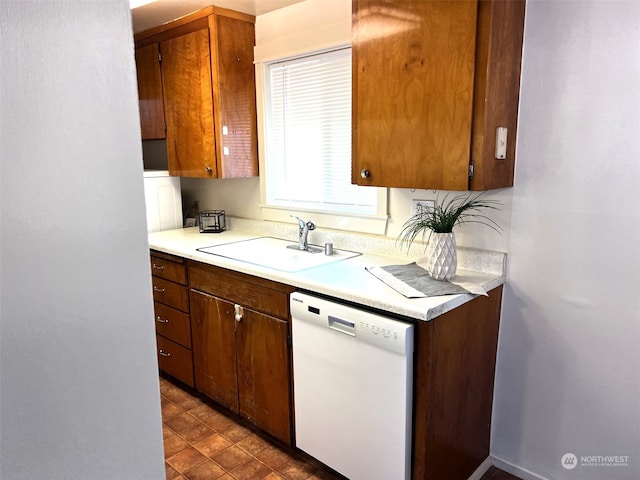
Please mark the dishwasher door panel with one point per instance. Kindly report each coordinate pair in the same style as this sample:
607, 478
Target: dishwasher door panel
352, 400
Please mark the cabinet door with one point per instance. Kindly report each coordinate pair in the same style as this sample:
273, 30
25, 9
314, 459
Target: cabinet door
235, 88
188, 103
214, 350
413, 74
150, 92
264, 373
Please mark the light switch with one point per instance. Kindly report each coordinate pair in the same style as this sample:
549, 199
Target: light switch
501, 143
225, 150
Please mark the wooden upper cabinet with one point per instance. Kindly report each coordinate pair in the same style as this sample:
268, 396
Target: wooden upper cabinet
188, 103
432, 80
235, 97
150, 92
208, 86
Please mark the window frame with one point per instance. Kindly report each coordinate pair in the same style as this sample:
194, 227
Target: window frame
351, 221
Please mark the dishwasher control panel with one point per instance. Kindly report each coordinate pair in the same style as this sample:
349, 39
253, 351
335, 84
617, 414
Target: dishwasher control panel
384, 332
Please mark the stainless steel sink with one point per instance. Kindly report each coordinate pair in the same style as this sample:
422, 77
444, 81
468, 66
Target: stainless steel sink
277, 253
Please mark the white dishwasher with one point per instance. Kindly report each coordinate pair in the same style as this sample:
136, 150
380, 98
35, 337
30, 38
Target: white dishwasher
352, 373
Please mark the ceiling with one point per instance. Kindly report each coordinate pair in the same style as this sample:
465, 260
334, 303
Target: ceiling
162, 11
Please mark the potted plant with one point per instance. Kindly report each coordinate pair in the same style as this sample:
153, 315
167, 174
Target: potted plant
441, 259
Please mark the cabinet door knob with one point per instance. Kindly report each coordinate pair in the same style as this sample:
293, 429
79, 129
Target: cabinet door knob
159, 290
159, 319
239, 312
365, 173
164, 354
158, 267
208, 169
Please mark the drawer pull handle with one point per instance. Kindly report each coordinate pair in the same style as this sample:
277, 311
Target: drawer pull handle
159, 290
161, 320
158, 267
164, 354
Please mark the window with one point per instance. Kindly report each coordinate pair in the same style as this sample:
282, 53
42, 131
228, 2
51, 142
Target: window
307, 137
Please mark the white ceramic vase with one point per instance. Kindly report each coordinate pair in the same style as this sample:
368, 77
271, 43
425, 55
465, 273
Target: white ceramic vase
441, 259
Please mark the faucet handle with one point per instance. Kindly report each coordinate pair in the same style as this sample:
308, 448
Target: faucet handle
300, 221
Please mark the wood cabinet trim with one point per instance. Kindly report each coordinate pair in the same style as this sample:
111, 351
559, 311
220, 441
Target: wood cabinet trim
232, 275
172, 27
455, 369
497, 90
168, 256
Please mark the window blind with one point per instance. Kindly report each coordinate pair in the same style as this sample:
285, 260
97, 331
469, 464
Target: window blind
308, 135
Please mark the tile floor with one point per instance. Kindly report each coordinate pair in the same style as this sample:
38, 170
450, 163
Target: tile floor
202, 443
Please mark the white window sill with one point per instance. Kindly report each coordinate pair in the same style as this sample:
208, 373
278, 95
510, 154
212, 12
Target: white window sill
374, 224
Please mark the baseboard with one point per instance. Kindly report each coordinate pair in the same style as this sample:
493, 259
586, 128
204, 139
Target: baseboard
481, 470
520, 472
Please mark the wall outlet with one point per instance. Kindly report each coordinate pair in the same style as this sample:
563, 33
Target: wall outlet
421, 206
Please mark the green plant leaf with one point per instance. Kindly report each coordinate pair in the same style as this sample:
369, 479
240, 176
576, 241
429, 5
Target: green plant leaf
448, 213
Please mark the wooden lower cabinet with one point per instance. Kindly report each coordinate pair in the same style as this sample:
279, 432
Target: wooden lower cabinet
241, 355
453, 389
175, 360
171, 314
237, 352
214, 349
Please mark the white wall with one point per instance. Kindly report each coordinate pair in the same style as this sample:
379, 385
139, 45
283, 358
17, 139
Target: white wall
568, 377
78, 372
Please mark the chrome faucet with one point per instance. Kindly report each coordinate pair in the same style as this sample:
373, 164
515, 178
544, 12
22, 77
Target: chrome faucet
304, 229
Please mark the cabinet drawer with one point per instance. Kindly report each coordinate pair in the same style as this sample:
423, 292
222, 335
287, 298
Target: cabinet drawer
173, 324
263, 295
170, 293
175, 360
174, 271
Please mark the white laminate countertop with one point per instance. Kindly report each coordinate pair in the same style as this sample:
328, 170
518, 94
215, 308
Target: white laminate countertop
346, 279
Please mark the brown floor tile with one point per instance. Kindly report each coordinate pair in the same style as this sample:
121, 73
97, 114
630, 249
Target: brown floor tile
177, 395
231, 458
496, 474
273, 476
165, 385
322, 475
189, 403
205, 471
202, 443
253, 444
296, 470
213, 445
167, 432
186, 459
219, 422
182, 422
273, 457
236, 433
202, 412
196, 433
171, 473
173, 445
170, 410
251, 470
